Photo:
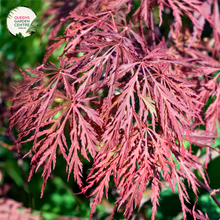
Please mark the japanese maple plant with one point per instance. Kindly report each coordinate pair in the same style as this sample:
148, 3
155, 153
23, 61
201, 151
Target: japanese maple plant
125, 97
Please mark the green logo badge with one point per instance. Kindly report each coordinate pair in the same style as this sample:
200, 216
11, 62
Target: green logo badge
22, 22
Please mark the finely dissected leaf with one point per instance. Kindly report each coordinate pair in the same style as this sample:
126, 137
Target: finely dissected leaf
11, 209
150, 104
124, 95
200, 215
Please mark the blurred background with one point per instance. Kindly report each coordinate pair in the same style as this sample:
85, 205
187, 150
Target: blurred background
61, 199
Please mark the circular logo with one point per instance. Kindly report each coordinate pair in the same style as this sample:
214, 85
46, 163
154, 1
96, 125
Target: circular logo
22, 22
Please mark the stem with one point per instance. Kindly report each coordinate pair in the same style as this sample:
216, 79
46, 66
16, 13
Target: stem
209, 190
152, 28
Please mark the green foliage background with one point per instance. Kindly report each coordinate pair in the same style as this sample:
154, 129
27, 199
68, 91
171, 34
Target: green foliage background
60, 198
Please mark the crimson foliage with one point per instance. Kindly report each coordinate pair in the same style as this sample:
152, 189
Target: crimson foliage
125, 96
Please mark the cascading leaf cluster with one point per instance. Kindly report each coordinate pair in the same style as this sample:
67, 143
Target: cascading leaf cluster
125, 96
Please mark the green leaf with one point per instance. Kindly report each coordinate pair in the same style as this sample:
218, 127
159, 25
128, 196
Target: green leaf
33, 27
19, 35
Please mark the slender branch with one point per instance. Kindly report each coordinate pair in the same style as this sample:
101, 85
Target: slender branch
152, 28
